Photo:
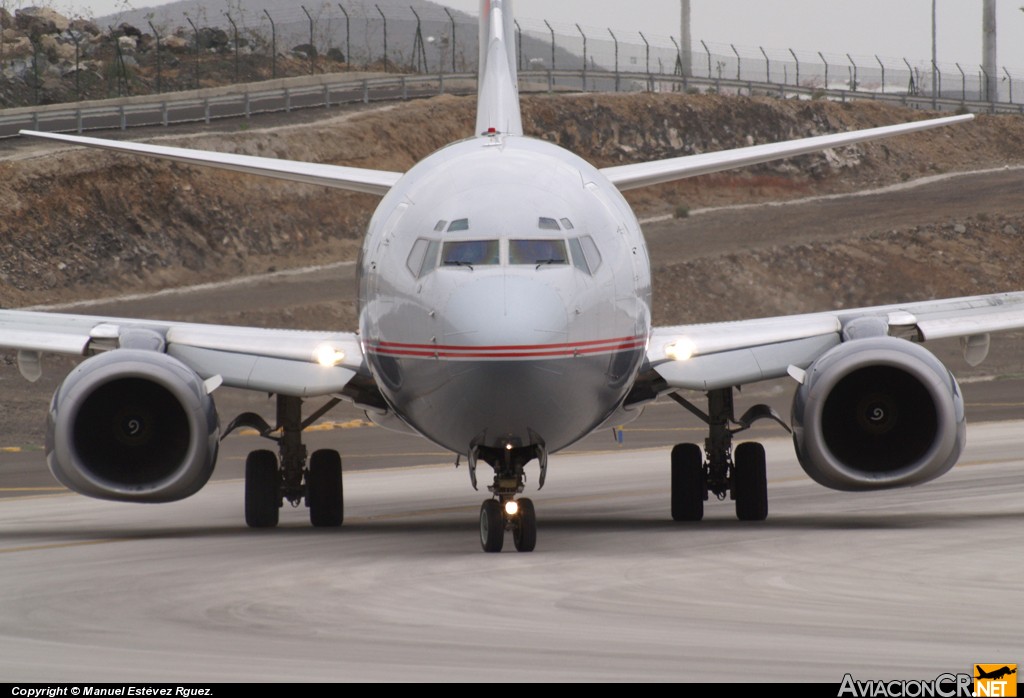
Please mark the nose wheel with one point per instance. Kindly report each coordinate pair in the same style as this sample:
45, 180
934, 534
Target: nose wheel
516, 515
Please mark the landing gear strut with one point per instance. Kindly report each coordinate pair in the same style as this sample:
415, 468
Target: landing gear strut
271, 479
723, 471
505, 511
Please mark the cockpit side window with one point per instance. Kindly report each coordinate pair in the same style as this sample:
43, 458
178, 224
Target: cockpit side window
457, 225
578, 259
537, 252
470, 252
592, 253
548, 224
416, 256
430, 258
439, 228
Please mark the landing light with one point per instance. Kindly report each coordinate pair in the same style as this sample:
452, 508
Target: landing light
327, 356
511, 507
680, 350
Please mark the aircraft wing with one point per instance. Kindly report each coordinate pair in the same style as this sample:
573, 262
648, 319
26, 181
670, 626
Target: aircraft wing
659, 171
349, 178
285, 362
721, 355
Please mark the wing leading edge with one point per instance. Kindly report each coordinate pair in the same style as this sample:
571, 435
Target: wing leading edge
286, 362
660, 171
719, 355
357, 179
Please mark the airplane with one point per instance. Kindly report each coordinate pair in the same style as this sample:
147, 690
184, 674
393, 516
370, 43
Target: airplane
996, 674
504, 295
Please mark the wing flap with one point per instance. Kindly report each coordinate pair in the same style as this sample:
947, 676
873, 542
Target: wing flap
659, 171
357, 179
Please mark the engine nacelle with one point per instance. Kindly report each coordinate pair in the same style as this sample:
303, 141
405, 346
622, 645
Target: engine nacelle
876, 413
134, 426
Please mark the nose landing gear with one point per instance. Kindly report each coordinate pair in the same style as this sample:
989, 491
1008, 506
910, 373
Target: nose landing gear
506, 511
516, 515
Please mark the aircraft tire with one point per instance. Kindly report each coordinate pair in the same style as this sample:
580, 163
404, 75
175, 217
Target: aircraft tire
325, 495
524, 533
688, 488
750, 482
492, 526
262, 490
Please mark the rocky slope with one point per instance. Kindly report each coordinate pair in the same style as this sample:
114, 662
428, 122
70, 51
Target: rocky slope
82, 223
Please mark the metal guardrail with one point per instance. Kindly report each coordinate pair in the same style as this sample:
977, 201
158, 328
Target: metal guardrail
167, 109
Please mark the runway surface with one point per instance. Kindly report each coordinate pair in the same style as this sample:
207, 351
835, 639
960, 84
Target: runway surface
899, 584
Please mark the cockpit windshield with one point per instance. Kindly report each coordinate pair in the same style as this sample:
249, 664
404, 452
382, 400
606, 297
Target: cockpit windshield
537, 252
471, 252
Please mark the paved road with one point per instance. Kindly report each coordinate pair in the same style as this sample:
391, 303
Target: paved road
899, 584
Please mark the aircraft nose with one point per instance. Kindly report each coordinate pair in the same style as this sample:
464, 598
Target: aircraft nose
506, 311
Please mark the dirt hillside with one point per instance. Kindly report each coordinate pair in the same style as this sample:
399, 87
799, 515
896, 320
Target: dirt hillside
81, 223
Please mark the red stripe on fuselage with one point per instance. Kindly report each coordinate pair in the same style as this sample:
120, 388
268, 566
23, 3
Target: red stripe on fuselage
513, 351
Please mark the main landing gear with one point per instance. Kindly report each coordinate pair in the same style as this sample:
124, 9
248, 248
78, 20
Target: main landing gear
504, 511
271, 479
740, 473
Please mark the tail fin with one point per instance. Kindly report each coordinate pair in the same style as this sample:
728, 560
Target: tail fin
498, 96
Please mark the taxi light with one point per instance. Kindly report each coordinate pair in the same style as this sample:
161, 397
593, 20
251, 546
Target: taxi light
327, 356
511, 507
680, 350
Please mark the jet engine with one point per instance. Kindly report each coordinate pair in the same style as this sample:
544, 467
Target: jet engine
132, 425
876, 413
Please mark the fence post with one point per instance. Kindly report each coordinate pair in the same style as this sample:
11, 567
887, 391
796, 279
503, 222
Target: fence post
78, 121
552, 44
312, 46
273, 45
452, 20
366, 92
912, 86
797, 61
234, 28
1009, 81
584, 56
164, 117
405, 90
648, 63
826, 69
988, 97
206, 110
156, 34
195, 34
707, 51
854, 83
419, 49
348, 37
767, 66
963, 83
327, 96
381, 13
882, 66
616, 59
937, 87
519, 46
78, 38
124, 119
738, 60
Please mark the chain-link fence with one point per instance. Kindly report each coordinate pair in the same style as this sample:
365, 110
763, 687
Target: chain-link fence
143, 52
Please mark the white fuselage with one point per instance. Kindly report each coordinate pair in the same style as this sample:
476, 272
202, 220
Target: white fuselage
504, 295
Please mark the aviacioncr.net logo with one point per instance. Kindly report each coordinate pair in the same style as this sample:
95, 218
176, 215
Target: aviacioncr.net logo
942, 686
